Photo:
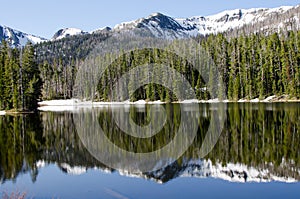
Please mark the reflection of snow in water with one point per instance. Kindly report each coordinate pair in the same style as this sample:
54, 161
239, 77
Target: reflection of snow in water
76, 170
231, 172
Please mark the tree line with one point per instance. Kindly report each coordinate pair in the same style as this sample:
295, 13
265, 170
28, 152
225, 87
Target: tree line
257, 65
20, 82
250, 66
59, 60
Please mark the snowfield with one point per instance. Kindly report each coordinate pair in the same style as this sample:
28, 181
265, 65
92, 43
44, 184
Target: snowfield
62, 33
17, 38
163, 26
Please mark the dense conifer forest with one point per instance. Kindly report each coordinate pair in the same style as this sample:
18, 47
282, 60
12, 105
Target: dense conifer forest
250, 66
20, 80
254, 66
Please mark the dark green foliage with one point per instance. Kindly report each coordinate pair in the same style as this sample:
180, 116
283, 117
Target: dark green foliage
257, 65
76, 47
30, 79
58, 61
250, 66
20, 82
152, 91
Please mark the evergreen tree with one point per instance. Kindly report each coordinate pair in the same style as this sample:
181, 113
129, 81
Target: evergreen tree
30, 79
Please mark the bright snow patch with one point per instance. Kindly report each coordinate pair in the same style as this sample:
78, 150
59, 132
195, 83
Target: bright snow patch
268, 99
35, 39
70, 102
18, 38
254, 100
58, 105
56, 108
67, 32
203, 25
190, 101
156, 102
243, 100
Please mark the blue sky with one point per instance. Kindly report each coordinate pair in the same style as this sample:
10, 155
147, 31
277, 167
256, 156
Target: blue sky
45, 17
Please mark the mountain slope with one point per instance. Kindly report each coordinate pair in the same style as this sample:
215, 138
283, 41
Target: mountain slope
67, 32
253, 20
157, 24
17, 38
265, 20
260, 19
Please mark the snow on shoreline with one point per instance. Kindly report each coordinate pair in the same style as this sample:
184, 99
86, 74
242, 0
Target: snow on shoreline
77, 102
73, 104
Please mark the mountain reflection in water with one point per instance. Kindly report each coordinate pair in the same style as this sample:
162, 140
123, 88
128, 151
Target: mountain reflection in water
259, 143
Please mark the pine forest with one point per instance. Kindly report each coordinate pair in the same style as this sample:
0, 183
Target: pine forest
250, 66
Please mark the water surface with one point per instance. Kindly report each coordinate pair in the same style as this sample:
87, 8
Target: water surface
59, 154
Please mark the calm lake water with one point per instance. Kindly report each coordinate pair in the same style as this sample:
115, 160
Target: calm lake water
188, 151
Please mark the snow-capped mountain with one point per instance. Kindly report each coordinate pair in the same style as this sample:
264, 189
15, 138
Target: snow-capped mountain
17, 38
163, 26
231, 19
157, 24
100, 30
261, 19
67, 32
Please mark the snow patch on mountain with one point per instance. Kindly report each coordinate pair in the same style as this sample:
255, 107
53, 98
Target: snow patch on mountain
104, 29
17, 38
229, 19
67, 32
163, 26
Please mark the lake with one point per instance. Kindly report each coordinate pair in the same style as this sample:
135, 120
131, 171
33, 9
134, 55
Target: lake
217, 150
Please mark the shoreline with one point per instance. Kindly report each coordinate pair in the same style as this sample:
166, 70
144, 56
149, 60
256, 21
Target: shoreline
77, 102
70, 104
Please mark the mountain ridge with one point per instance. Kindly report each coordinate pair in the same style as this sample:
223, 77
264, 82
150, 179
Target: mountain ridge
16, 38
203, 25
163, 26
67, 32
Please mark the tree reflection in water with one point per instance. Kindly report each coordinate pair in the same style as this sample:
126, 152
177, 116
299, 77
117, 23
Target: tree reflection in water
260, 136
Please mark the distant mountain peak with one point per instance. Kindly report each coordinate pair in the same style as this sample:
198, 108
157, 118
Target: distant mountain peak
67, 32
266, 20
163, 26
17, 38
101, 30
163, 21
